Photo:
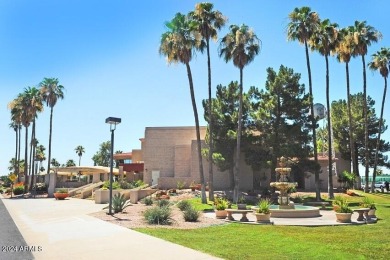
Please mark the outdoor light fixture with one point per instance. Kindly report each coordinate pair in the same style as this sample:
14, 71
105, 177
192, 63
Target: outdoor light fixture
113, 121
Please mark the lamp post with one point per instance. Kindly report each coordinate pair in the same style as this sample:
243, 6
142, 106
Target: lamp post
113, 121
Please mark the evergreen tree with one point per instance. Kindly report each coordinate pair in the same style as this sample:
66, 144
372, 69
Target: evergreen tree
281, 121
341, 131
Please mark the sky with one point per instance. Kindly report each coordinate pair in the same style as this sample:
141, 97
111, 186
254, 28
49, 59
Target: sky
105, 54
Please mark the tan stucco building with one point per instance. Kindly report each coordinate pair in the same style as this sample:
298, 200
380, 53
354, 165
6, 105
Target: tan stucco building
170, 155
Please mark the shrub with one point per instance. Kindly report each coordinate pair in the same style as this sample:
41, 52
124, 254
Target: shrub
40, 186
158, 215
125, 185
119, 203
147, 201
183, 205
18, 190
241, 200
367, 203
297, 199
62, 190
138, 183
190, 214
180, 184
220, 203
115, 185
163, 203
341, 205
264, 206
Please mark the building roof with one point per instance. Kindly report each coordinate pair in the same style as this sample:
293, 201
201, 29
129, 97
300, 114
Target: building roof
87, 169
123, 156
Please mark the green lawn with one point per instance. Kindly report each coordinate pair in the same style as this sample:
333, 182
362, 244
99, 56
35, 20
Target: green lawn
240, 241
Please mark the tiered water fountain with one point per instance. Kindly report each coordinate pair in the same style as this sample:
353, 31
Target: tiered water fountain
283, 185
286, 209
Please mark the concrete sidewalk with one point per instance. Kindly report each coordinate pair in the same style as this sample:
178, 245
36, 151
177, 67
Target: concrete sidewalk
63, 230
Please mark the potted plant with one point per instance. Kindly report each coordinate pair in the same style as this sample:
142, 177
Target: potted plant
263, 213
61, 194
342, 209
241, 203
369, 203
220, 205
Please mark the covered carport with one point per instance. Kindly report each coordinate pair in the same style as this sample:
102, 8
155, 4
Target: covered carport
94, 174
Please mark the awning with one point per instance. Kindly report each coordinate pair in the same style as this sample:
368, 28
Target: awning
86, 170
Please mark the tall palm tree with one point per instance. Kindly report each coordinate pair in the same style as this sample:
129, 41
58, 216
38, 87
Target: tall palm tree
364, 35
80, 151
33, 159
345, 49
40, 155
178, 44
208, 23
29, 104
303, 23
240, 45
70, 163
380, 62
51, 92
15, 127
36, 107
324, 41
16, 117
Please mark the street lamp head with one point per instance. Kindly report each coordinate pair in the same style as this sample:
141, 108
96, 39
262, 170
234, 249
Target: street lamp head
113, 121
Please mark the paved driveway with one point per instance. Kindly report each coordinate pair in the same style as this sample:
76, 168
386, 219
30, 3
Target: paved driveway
64, 230
13, 245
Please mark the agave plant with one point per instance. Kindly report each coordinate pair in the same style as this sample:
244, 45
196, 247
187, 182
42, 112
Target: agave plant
119, 203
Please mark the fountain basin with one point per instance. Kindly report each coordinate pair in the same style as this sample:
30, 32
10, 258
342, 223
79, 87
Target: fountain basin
299, 211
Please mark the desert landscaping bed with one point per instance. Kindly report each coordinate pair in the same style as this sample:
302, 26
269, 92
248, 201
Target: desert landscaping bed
132, 217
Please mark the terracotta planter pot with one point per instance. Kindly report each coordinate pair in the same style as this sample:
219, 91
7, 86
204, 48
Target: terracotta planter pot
263, 218
221, 214
343, 217
60, 196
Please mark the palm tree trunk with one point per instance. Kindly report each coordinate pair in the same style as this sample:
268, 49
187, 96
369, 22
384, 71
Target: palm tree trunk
238, 147
199, 150
313, 124
351, 139
31, 149
32, 154
330, 156
16, 163
20, 140
49, 151
25, 157
379, 135
211, 136
365, 113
